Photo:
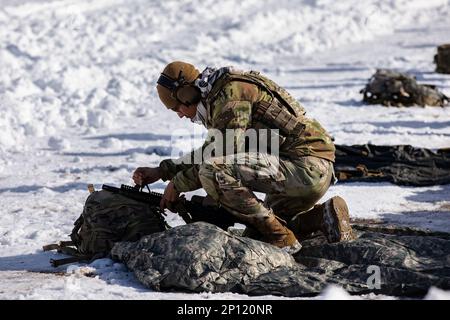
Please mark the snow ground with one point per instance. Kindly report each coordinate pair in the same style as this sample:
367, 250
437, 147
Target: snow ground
78, 105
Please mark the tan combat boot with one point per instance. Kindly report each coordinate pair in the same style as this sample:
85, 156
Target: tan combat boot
336, 221
275, 233
331, 218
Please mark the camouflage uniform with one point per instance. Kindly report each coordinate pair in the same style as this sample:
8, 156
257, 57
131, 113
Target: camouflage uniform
293, 181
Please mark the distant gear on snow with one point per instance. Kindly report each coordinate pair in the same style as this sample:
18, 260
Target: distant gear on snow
391, 88
442, 59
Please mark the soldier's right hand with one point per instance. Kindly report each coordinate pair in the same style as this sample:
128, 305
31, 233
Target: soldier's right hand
146, 175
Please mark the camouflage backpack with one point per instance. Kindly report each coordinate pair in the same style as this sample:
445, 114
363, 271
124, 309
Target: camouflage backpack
107, 218
392, 88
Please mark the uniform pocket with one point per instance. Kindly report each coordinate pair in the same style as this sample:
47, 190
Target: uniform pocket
306, 175
319, 168
260, 166
261, 172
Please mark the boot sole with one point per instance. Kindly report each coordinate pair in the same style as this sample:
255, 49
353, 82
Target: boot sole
337, 221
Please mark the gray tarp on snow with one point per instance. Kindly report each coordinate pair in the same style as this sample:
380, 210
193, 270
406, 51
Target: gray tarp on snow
201, 257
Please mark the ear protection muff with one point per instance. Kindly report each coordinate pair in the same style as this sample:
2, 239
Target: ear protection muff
188, 94
181, 90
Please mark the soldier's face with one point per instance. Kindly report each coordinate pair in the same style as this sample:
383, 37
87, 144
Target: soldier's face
186, 111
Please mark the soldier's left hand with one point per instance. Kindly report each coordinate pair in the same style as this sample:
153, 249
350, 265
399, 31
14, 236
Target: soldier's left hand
170, 196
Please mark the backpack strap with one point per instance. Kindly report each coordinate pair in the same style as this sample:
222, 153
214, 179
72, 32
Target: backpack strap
74, 234
59, 262
274, 113
65, 247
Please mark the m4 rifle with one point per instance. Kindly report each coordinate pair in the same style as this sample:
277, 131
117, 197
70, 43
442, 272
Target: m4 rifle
190, 211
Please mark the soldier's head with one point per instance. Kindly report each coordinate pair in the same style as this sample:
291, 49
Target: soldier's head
176, 88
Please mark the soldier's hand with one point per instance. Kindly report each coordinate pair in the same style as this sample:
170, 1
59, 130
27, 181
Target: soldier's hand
146, 175
170, 196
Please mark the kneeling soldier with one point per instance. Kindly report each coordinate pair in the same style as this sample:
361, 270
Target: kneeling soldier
294, 174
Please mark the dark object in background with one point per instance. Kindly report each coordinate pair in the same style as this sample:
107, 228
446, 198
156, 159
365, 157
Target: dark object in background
400, 164
442, 59
391, 88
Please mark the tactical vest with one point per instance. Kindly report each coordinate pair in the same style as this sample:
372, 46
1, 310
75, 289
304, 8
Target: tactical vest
283, 112
442, 59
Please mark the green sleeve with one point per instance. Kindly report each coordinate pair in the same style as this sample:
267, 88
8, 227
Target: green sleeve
184, 171
187, 180
169, 169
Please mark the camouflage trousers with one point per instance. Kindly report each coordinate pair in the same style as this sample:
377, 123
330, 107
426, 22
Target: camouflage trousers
291, 186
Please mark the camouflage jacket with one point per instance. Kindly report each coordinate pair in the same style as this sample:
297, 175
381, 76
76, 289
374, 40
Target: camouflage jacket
230, 105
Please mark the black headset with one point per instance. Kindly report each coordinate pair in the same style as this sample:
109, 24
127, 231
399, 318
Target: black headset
181, 90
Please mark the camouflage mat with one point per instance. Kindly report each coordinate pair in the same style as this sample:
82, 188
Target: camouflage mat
201, 257
399, 164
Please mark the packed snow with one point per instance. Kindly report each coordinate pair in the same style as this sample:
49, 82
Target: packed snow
78, 105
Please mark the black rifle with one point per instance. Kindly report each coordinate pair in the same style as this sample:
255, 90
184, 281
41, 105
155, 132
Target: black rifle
190, 211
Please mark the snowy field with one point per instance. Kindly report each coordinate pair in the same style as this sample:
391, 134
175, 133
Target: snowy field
78, 105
